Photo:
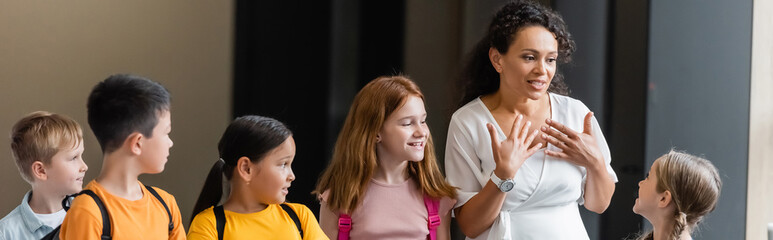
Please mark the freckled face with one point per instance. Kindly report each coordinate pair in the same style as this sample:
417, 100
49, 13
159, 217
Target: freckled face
405, 132
66, 170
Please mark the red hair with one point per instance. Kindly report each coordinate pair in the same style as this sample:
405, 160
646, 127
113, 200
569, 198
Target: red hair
354, 158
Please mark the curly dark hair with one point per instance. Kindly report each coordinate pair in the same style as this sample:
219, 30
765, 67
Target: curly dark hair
479, 77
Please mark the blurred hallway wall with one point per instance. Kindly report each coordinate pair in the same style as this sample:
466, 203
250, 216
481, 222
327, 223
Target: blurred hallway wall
53, 52
698, 96
759, 195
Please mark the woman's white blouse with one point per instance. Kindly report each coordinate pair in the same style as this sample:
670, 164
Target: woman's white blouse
544, 202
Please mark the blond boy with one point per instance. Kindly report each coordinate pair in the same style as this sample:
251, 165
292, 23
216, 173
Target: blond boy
48, 150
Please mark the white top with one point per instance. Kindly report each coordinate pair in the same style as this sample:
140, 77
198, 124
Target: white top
543, 204
52, 219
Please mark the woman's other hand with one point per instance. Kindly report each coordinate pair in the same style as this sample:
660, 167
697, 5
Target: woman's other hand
578, 148
510, 154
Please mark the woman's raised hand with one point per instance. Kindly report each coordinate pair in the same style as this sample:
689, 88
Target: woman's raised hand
578, 148
510, 154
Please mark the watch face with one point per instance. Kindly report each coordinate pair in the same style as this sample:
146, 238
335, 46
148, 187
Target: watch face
507, 186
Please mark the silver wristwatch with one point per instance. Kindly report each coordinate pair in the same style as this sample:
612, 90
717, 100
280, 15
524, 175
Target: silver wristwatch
503, 185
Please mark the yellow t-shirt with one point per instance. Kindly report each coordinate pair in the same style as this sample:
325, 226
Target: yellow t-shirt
145, 218
270, 223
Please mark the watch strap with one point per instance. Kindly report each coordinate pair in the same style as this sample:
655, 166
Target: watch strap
495, 179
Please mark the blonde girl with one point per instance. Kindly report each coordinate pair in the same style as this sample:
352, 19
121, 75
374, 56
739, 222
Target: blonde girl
679, 191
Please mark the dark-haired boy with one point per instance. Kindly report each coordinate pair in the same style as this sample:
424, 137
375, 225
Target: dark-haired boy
130, 117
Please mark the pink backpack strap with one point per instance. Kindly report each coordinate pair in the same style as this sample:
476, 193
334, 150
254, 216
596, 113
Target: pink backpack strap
433, 220
344, 226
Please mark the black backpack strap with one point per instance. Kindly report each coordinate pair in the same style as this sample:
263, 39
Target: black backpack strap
67, 202
220, 221
106, 228
53, 235
292, 214
168, 213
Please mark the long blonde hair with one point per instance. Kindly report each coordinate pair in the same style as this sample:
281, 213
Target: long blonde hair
354, 158
694, 184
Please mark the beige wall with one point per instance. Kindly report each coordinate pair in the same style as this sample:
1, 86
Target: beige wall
53, 52
759, 211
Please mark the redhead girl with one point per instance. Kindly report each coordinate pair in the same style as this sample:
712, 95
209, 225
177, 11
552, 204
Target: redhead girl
383, 181
255, 157
679, 191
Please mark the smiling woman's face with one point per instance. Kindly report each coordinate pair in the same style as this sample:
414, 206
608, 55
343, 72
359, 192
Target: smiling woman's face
529, 65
